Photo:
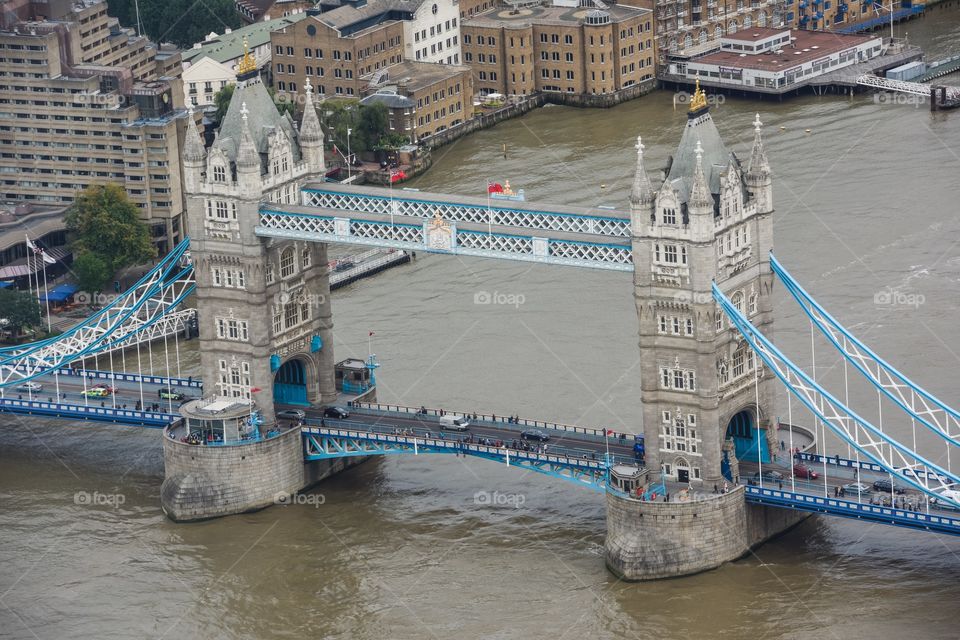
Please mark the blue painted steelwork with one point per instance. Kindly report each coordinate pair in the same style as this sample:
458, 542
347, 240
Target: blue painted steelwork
882, 21
290, 384
877, 445
745, 438
847, 509
129, 417
865, 357
849, 463
119, 376
322, 443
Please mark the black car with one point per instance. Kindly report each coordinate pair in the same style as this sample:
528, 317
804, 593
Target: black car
336, 412
884, 486
768, 476
535, 434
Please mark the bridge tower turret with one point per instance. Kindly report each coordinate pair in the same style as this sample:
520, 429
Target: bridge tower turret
708, 223
705, 405
263, 308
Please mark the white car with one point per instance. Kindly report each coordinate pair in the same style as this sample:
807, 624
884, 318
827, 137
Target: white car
30, 387
949, 494
454, 422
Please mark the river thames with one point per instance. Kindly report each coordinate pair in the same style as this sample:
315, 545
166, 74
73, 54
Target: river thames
430, 547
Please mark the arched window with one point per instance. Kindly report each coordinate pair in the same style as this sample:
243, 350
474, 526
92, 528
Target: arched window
747, 22
305, 259
688, 41
733, 27
762, 19
287, 264
752, 303
737, 301
718, 32
703, 36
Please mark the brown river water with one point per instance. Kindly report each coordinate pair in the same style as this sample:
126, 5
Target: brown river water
867, 202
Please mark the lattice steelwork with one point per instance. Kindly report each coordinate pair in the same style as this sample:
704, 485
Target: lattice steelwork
456, 212
901, 86
895, 458
293, 222
135, 312
494, 242
591, 252
385, 231
917, 402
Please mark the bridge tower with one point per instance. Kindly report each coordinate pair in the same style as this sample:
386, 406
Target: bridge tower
264, 311
263, 305
705, 405
710, 220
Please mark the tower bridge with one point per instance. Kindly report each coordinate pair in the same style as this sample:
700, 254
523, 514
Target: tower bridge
699, 247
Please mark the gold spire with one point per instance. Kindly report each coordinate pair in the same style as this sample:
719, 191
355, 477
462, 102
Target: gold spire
247, 64
699, 100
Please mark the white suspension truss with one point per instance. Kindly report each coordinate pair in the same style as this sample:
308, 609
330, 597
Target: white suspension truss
914, 400
136, 316
870, 441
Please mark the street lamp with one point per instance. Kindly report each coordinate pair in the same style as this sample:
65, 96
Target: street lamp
349, 160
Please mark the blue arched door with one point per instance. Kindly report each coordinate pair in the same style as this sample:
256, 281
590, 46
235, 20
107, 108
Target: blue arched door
290, 384
745, 435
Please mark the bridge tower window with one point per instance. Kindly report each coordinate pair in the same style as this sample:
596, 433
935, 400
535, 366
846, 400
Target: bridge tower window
287, 263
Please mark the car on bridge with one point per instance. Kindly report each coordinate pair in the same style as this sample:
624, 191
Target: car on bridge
30, 387
105, 387
803, 471
949, 494
454, 422
885, 486
96, 392
535, 434
168, 394
856, 487
291, 414
336, 413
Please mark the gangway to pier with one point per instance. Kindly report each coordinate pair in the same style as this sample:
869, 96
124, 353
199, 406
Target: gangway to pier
900, 86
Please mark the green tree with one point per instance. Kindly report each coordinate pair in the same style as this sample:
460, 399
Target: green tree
91, 271
182, 22
20, 310
374, 123
102, 221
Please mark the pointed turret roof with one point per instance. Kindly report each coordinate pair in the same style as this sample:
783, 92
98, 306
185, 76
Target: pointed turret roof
247, 155
193, 147
642, 189
699, 190
758, 157
310, 130
262, 119
702, 131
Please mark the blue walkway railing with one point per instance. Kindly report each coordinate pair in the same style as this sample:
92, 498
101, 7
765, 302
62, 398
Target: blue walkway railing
131, 417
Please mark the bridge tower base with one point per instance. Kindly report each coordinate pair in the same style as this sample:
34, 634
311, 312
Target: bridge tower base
653, 540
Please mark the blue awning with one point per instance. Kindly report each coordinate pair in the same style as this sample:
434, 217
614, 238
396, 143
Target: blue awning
5, 283
60, 293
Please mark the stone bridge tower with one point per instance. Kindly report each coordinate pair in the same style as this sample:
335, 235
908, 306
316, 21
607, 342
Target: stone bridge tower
263, 305
710, 220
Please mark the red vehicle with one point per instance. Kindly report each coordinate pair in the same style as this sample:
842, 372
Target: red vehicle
803, 471
105, 387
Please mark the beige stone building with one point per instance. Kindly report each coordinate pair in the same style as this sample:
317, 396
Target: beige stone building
84, 101
424, 98
576, 50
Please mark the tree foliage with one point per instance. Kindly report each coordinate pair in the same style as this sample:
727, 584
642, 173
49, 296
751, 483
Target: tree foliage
91, 271
102, 221
369, 125
20, 309
182, 22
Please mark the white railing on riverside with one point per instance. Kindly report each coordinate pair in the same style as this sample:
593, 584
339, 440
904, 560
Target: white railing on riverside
901, 86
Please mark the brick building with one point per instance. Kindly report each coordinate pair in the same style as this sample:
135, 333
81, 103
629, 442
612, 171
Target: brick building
578, 50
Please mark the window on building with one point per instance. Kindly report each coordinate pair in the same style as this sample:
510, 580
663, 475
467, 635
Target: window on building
287, 263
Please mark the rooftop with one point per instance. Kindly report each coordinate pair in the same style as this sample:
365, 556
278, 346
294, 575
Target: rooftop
550, 15
416, 75
755, 34
352, 18
806, 47
229, 46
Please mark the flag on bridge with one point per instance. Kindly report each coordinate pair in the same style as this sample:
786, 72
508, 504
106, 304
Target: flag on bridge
370, 334
255, 389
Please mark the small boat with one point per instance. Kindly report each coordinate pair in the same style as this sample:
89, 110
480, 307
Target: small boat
503, 191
